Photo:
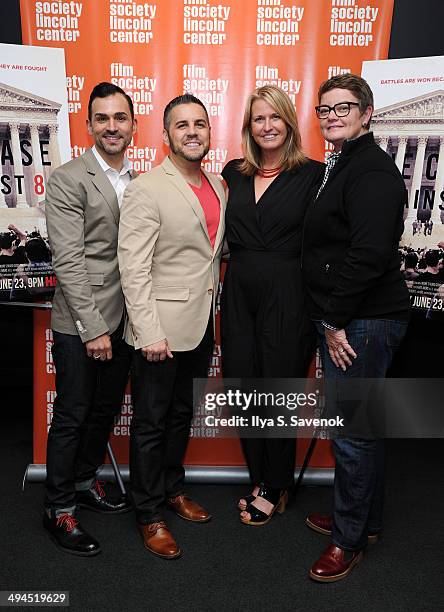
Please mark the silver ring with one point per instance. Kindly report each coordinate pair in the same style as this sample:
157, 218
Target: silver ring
96, 356
340, 351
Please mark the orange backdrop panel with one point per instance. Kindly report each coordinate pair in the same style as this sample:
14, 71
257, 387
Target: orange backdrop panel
219, 50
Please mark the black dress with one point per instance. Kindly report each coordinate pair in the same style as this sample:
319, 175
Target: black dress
264, 328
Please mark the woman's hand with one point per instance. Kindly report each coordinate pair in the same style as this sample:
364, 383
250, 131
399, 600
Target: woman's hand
339, 348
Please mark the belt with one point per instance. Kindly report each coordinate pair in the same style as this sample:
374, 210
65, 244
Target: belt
240, 254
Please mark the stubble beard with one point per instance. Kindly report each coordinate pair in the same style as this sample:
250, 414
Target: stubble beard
189, 155
117, 149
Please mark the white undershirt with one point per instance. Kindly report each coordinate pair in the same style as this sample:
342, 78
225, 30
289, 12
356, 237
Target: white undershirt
119, 180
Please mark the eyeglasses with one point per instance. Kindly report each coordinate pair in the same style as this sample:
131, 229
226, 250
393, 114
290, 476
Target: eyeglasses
341, 109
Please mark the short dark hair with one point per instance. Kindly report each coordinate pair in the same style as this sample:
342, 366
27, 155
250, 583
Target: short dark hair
432, 258
7, 240
354, 83
37, 250
183, 99
411, 260
105, 89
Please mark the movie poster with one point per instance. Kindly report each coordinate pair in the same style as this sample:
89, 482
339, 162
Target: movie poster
34, 139
408, 123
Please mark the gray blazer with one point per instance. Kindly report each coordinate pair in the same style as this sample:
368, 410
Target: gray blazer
82, 215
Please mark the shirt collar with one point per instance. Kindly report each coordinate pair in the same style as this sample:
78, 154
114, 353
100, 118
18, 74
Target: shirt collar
356, 143
127, 166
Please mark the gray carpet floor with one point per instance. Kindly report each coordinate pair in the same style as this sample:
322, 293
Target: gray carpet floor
227, 565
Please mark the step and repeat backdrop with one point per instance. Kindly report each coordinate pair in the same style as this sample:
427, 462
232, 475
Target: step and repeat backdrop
219, 50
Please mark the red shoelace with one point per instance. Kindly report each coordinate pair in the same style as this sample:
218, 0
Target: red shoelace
67, 519
99, 488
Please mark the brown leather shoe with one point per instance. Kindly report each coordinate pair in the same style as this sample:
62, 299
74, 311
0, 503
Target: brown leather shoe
188, 509
158, 539
322, 523
334, 564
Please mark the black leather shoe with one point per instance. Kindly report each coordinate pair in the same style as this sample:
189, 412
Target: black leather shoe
266, 503
95, 499
68, 535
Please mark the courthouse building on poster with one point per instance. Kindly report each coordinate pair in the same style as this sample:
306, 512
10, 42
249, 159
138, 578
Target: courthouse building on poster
29, 146
412, 132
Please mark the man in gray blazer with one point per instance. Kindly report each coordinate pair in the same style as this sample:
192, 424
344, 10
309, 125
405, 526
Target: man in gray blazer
170, 242
91, 357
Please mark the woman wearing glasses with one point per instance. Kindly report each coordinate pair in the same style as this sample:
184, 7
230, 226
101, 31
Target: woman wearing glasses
265, 331
357, 298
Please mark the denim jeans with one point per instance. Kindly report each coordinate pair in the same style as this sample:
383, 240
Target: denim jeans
359, 473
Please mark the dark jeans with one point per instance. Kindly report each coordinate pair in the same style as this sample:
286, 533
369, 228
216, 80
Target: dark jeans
359, 473
89, 396
163, 409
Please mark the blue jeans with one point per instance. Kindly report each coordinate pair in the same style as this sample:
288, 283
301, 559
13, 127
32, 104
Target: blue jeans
359, 473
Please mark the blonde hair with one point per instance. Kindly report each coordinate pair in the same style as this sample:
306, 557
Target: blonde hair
292, 155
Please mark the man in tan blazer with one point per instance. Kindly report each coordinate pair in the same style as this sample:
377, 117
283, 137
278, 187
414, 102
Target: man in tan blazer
91, 357
170, 240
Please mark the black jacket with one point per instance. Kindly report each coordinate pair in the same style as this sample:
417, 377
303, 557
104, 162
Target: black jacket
350, 256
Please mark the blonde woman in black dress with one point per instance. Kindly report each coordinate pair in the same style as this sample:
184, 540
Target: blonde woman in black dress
265, 331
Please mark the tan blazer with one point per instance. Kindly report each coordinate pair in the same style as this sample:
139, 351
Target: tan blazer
169, 271
82, 215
